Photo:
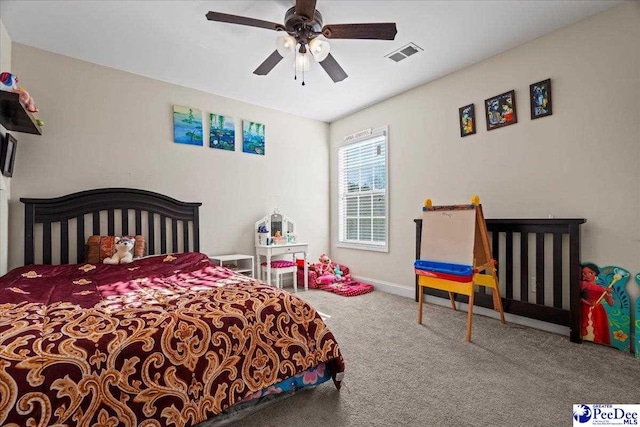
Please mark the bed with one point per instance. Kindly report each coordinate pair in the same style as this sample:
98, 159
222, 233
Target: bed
168, 340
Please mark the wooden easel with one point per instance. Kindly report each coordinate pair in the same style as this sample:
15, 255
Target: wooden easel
482, 262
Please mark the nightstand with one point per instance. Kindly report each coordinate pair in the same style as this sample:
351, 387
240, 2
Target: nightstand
239, 263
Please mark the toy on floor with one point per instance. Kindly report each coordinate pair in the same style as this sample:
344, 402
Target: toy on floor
123, 253
328, 272
332, 277
323, 266
605, 306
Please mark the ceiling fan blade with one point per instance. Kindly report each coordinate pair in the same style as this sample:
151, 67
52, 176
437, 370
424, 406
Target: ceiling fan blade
306, 8
243, 20
378, 31
334, 69
268, 64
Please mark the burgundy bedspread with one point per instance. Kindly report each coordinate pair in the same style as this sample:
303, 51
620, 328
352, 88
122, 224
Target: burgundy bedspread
164, 341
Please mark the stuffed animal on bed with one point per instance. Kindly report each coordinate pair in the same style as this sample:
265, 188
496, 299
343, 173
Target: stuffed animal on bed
123, 253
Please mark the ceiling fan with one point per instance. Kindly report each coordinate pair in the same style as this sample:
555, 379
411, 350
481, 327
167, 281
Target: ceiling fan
303, 24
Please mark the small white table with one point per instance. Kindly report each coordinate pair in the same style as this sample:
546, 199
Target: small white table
241, 263
269, 251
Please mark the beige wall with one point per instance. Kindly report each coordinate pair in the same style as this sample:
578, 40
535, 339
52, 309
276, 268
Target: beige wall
106, 128
5, 183
581, 162
5, 49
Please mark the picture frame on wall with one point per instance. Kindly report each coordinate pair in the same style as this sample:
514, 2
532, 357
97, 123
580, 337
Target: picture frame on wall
8, 154
467, 120
540, 97
187, 125
253, 137
222, 133
500, 110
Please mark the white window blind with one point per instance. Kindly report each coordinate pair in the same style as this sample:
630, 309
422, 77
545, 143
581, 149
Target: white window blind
362, 193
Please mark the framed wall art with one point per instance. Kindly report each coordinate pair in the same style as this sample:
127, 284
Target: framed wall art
467, 120
500, 110
540, 96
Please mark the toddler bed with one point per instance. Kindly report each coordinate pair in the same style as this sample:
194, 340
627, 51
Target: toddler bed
168, 340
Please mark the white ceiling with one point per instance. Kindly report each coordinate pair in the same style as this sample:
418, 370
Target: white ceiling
174, 42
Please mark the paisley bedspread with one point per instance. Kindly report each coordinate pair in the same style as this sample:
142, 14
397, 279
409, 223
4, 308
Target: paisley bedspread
164, 341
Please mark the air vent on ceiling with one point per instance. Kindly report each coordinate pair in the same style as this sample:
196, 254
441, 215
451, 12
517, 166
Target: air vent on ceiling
404, 52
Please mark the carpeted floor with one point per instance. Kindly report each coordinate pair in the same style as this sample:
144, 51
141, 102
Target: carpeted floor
399, 373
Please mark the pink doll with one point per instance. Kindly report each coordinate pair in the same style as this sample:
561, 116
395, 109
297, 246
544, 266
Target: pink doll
26, 100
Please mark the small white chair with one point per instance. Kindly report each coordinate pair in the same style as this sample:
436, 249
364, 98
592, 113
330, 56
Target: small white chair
278, 268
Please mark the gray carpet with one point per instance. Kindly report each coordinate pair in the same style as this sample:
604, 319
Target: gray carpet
399, 373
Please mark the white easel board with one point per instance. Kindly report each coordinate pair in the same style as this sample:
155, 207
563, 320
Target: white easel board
448, 235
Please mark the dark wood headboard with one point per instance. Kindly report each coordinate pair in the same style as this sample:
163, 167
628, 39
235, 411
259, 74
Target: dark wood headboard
148, 208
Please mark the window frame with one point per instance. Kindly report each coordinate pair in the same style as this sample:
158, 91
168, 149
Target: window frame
375, 133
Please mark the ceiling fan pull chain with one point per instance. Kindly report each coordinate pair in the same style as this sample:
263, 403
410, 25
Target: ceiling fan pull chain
295, 69
303, 75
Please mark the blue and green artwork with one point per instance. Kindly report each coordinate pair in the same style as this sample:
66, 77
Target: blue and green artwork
223, 133
252, 137
605, 305
187, 125
637, 318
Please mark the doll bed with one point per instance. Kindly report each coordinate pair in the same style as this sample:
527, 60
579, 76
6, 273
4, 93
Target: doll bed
165, 340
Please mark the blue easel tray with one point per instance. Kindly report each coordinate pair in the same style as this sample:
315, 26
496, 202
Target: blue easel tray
444, 267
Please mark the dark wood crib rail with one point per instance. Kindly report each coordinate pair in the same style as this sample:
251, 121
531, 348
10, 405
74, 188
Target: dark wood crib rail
110, 200
553, 313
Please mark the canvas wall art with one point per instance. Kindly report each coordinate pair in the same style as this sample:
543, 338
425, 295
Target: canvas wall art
187, 125
500, 110
253, 137
540, 95
223, 132
467, 118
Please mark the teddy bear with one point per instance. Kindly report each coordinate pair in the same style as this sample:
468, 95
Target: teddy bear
324, 265
123, 253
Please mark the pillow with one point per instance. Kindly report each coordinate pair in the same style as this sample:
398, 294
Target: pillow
101, 247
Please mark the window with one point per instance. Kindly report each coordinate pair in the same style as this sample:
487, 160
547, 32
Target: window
362, 193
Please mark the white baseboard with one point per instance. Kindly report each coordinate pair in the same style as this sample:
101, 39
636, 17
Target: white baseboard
404, 291
388, 287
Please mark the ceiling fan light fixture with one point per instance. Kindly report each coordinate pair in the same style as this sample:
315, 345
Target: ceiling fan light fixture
302, 62
286, 45
319, 49
303, 23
